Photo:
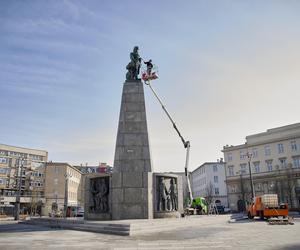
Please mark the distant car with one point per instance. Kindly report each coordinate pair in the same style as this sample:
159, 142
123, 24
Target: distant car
227, 210
80, 212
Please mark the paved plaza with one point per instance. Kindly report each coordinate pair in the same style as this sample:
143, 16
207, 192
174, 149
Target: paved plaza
212, 232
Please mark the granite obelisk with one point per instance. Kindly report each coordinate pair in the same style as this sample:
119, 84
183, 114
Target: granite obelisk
132, 194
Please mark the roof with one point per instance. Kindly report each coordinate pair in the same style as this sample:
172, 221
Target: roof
22, 148
283, 133
62, 164
208, 163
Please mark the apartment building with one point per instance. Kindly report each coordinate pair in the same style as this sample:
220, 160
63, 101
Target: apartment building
22, 169
208, 180
62, 185
274, 159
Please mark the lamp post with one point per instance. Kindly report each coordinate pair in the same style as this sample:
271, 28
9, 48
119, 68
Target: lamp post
250, 173
19, 178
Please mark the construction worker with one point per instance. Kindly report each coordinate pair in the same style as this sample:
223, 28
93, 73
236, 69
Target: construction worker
149, 67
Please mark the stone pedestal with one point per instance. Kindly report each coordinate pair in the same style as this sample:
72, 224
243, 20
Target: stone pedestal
132, 186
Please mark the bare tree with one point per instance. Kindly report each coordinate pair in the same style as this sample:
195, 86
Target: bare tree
209, 193
289, 184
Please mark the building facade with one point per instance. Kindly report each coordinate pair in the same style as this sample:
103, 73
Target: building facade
274, 159
208, 180
62, 186
22, 169
101, 168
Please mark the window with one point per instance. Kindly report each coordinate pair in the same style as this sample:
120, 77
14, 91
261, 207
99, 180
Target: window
282, 162
217, 191
216, 179
243, 168
229, 157
55, 181
271, 185
242, 155
296, 161
2, 170
37, 164
215, 168
294, 145
269, 165
267, 150
2, 181
56, 170
36, 157
258, 186
230, 171
254, 153
3, 160
280, 148
232, 188
256, 167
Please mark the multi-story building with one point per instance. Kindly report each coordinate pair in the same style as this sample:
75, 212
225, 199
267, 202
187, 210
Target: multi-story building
101, 168
22, 169
62, 187
208, 180
274, 159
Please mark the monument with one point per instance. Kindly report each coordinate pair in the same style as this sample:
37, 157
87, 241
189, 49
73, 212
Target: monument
132, 177
133, 191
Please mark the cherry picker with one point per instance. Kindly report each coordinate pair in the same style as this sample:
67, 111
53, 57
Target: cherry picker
147, 80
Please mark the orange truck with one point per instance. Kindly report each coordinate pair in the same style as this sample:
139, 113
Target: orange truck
266, 206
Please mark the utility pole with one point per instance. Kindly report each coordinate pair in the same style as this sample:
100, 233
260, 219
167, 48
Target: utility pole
19, 178
250, 173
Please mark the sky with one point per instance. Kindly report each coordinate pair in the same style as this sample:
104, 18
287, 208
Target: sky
227, 69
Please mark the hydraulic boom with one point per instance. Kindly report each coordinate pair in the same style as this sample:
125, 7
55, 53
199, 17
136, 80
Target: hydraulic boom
186, 144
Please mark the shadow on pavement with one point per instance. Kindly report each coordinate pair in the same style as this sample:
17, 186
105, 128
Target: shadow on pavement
182, 234
289, 247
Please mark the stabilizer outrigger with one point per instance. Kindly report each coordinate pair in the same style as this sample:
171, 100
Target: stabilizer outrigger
186, 144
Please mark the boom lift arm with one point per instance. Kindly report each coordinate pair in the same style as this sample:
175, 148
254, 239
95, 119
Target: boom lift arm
186, 144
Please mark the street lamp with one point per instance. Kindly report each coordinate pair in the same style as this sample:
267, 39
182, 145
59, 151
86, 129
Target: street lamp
250, 173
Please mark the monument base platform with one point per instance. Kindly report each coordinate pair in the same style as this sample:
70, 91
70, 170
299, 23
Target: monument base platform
161, 215
120, 227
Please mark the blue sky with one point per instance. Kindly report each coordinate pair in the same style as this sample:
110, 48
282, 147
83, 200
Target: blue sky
227, 69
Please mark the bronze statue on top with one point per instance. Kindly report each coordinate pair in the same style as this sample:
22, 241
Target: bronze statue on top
134, 66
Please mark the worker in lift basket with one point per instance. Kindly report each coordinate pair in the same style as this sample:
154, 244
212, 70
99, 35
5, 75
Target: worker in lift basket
149, 67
